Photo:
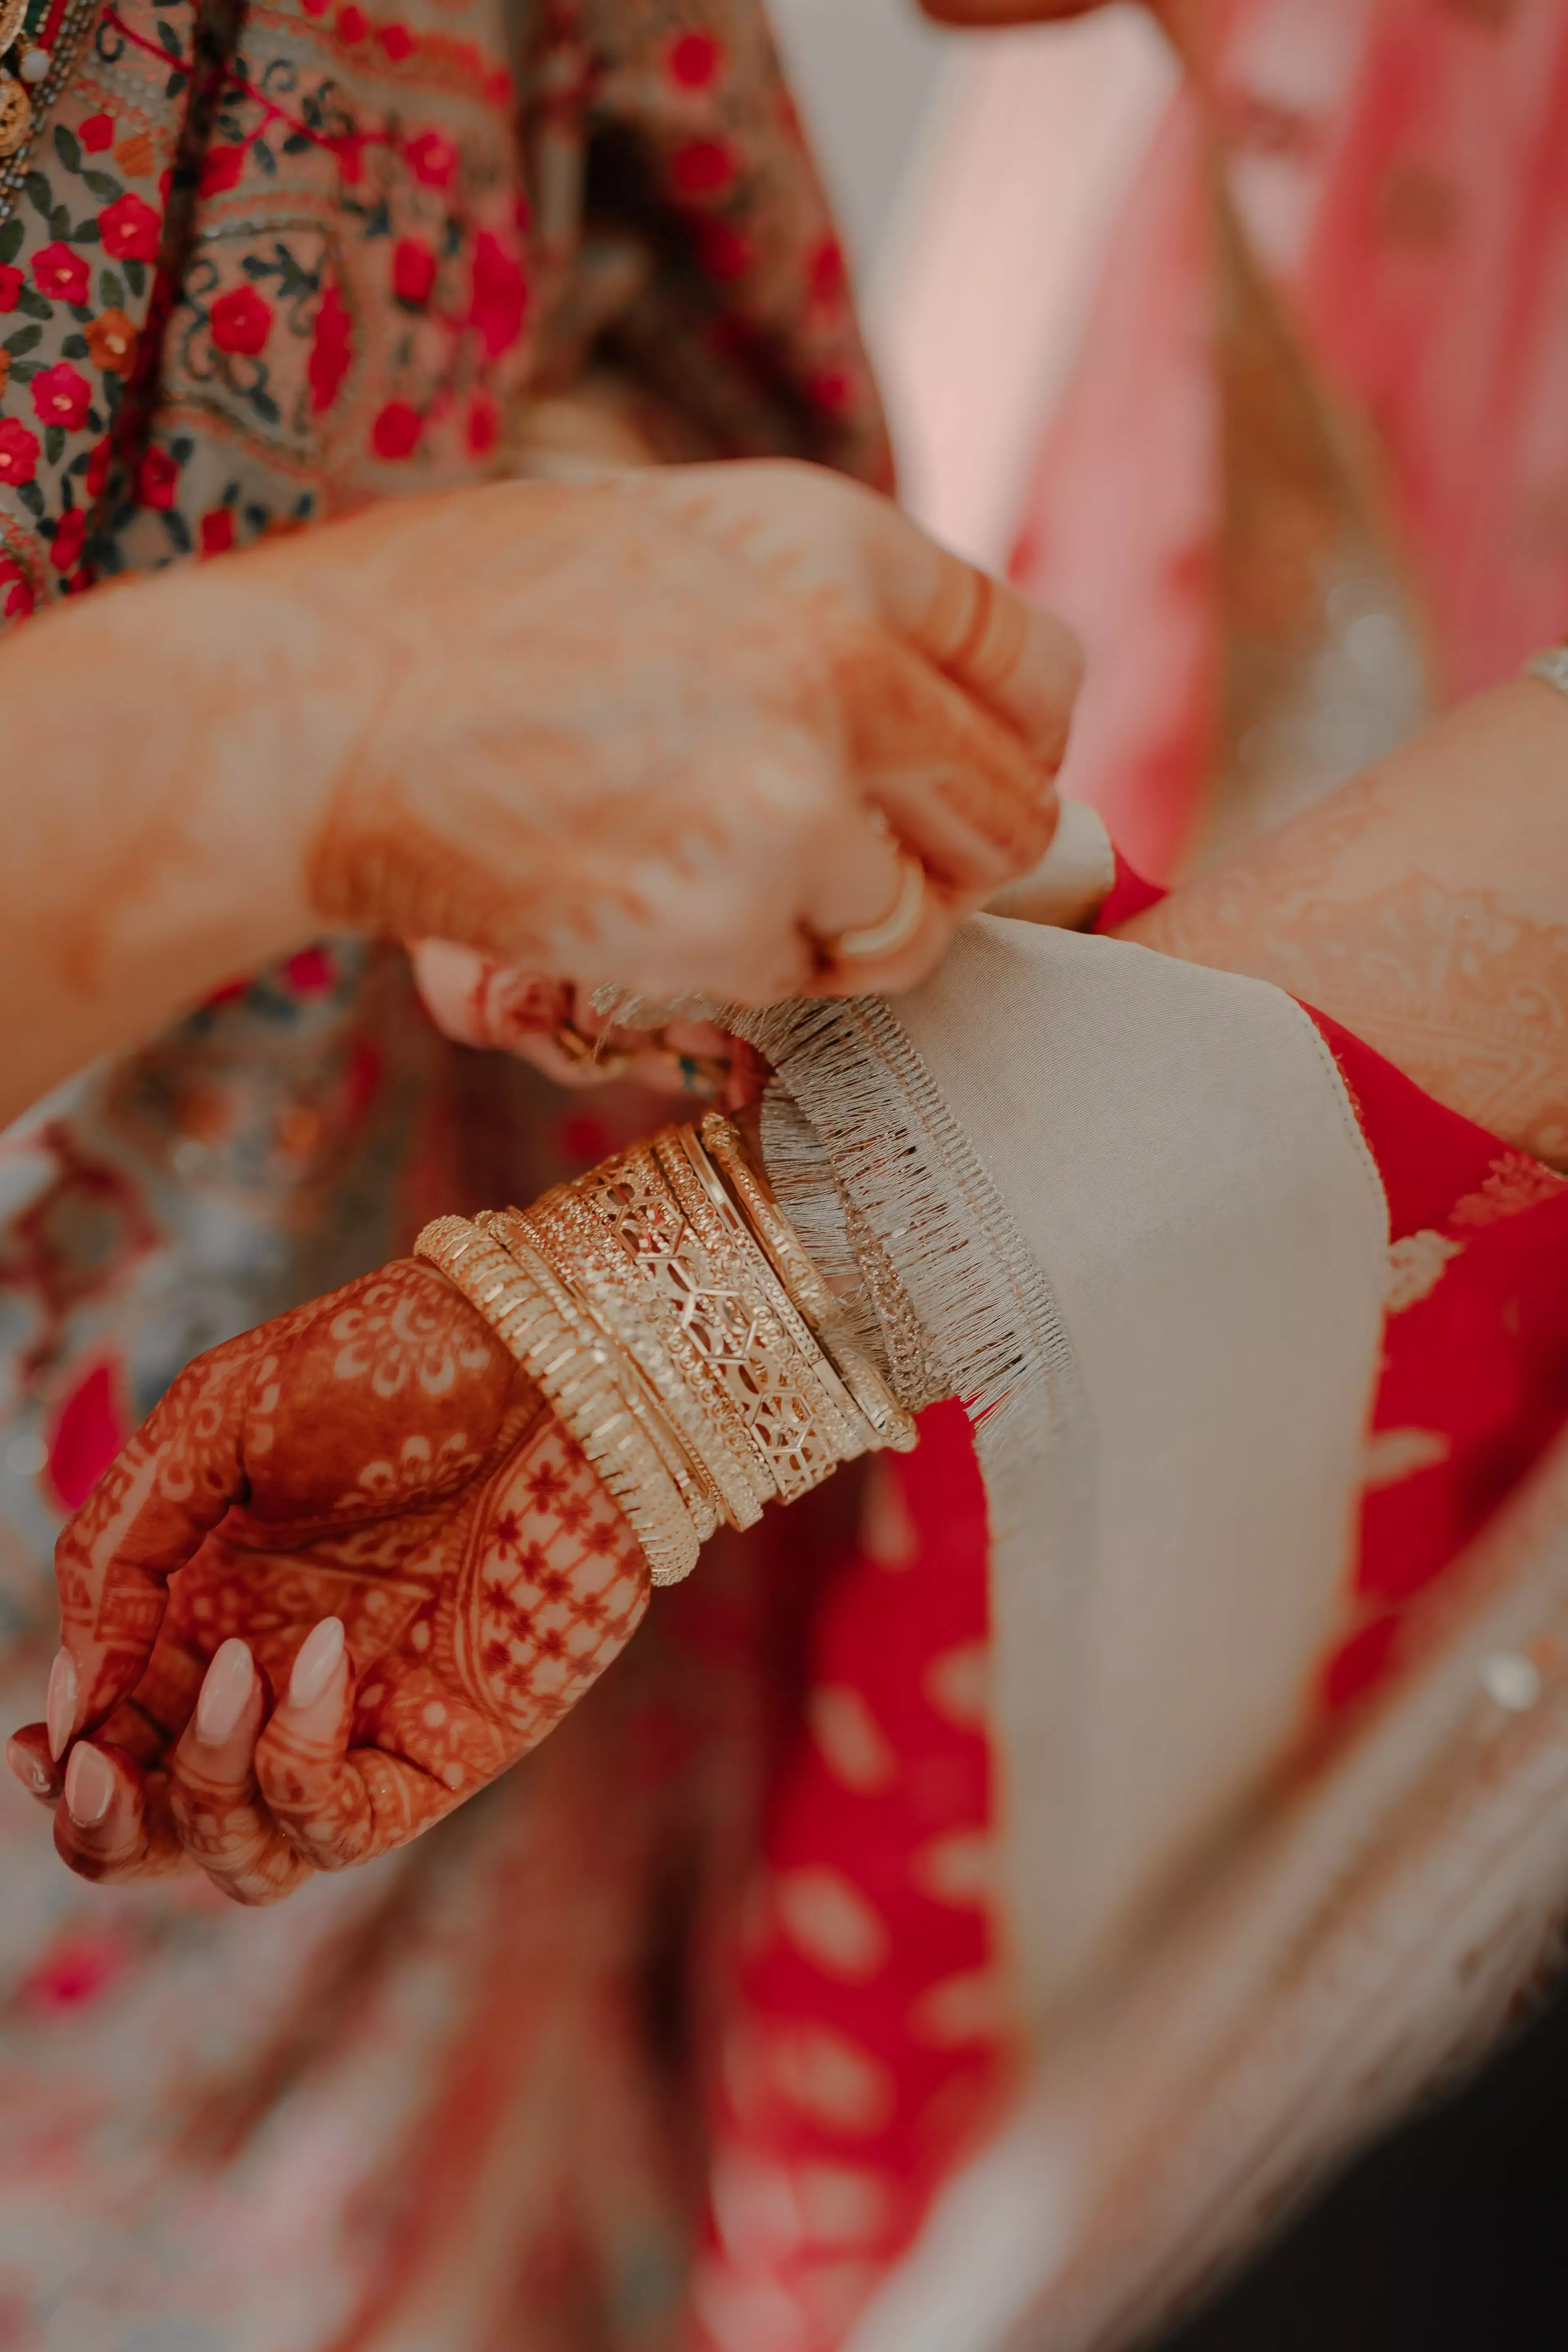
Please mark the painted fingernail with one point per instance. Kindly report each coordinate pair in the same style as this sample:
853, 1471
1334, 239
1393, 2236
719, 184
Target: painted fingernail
317, 1662
59, 1708
230, 1679
90, 1787
28, 1767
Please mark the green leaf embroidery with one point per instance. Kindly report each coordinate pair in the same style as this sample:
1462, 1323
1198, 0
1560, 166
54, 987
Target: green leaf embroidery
35, 304
53, 443
110, 292
68, 147
74, 347
10, 239
103, 184
23, 341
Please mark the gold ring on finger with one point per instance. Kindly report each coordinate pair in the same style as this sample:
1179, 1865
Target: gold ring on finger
898, 926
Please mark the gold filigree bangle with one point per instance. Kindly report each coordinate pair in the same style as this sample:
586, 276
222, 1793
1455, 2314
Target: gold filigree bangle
599, 1267
892, 1426
574, 1369
667, 1310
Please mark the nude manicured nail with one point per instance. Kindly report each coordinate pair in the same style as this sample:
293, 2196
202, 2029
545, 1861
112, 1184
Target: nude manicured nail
59, 1708
28, 1767
230, 1679
90, 1787
316, 1663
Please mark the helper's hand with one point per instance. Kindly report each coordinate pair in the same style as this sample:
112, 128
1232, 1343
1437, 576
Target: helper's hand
671, 729
554, 1024
373, 1466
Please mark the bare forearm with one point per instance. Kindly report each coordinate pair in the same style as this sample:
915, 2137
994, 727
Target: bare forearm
154, 811
1426, 906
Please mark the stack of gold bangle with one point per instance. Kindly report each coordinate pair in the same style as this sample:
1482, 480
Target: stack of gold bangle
666, 1308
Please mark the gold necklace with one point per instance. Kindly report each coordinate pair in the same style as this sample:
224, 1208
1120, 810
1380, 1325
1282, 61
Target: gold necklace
24, 66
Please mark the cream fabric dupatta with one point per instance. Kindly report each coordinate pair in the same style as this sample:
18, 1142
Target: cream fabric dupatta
1124, 1208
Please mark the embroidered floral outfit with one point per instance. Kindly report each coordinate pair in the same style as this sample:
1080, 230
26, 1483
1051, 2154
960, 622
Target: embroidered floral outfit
258, 267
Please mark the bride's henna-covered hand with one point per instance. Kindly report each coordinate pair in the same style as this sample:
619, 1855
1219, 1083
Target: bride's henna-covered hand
374, 1461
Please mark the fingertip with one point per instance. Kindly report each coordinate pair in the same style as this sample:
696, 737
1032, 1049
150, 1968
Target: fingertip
90, 1786
60, 1704
317, 1663
27, 1753
228, 1687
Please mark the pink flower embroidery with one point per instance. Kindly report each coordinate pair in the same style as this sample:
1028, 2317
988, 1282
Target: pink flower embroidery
65, 547
395, 433
703, 167
61, 395
130, 229
413, 271
61, 273
331, 349
11, 284
500, 295
241, 322
98, 133
17, 590
222, 169
217, 532
693, 59
432, 159
157, 477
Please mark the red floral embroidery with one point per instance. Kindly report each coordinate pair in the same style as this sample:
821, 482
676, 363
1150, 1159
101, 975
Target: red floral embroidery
432, 159
500, 295
65, 547
330, 351
217, 532
157, 477
484, 425
130, 229
413, 271
352, 26
397, 41
395, 433
96, 133
61, 395
222, 169
723, 252
313, 971
19, 592
241, 322
61, 273
828, 273
97, 472
693, 59
832, 388
11, 284
703, 167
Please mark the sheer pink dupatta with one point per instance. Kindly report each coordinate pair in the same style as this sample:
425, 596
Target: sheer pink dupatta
1399, 168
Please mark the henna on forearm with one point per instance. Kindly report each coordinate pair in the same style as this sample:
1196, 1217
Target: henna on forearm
1426, 906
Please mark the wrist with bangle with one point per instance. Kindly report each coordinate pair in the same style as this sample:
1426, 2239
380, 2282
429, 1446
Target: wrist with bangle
670, 1315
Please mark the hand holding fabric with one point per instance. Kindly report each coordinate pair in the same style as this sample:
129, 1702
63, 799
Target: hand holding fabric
368, 1499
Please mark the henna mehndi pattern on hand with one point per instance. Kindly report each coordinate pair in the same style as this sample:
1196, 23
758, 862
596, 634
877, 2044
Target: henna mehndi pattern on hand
376, 1459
